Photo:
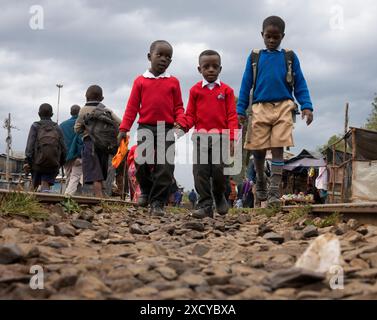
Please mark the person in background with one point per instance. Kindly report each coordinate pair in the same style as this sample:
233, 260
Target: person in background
193, 197
73, 143
96, 124
131, 173
45, 150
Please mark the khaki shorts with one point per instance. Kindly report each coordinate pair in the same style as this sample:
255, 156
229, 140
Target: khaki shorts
271, 125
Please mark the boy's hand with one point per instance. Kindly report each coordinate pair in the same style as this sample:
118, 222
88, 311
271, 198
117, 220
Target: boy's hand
231, 145
121, 136
178, 130
308, 114
241, 119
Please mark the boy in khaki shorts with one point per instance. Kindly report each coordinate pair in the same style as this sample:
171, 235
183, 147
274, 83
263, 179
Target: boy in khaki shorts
272, 76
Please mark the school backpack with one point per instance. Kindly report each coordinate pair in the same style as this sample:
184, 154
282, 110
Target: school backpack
290, 76
102, 130
48, 149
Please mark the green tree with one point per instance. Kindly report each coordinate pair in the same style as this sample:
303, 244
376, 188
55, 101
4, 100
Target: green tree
372, 119
339, 146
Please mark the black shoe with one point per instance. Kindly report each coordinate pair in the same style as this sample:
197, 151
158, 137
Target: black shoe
157, 210
143, 200
203, 213
222, 206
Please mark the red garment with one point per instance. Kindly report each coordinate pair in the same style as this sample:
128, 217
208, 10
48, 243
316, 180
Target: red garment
212, 109
131, 173
131, 155
233, 193
155, 100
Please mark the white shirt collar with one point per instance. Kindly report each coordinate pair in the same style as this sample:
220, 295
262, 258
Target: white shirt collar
148, 74
277, 49
211, 85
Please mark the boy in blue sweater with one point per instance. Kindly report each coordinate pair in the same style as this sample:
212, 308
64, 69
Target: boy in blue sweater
277, 77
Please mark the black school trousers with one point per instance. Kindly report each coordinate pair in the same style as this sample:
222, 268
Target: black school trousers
208, 167
155, 161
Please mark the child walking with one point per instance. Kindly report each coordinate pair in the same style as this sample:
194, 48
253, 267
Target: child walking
274, 75
156, 97
212, 111
45, 150
98, 126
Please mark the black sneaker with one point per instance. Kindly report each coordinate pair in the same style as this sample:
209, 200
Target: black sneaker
203, 213
157, 210
143, 200
222, 206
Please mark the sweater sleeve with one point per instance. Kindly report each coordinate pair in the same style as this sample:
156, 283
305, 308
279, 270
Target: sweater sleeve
231, 113
246, 84
301, 90
133, 107
179, 111
191, 110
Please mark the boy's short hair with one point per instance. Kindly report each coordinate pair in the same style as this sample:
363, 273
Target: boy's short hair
75, 109
155, 43
45, 110
274, 21
94, 93
209, 53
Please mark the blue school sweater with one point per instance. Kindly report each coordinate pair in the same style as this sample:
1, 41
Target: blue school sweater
72, 140
271, 84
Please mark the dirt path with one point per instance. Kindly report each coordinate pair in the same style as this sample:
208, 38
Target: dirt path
126, 254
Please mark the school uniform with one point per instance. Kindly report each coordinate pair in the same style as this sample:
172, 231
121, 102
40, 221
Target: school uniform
273, 100
211, 110
158, 102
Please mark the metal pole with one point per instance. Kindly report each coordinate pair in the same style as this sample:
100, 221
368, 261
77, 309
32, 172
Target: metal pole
345, 131
8, 141
57, 114
345, 151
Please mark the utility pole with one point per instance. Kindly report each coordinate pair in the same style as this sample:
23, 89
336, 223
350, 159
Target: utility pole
57, 114
346, 119
8, 140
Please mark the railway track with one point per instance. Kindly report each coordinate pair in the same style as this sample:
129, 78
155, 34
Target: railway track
56, 198
365, 212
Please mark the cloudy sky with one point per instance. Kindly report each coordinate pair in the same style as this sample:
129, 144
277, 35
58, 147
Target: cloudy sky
81, 42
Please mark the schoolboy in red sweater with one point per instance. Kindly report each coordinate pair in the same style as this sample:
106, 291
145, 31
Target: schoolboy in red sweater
156, 97
212, 111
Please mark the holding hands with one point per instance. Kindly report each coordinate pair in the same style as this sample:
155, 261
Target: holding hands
179, 130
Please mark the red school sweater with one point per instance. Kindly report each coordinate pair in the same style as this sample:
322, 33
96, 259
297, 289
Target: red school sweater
155, 100
212, 109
